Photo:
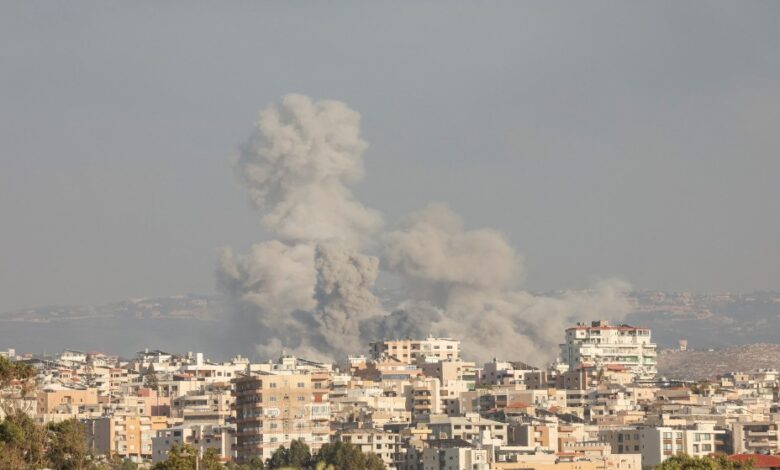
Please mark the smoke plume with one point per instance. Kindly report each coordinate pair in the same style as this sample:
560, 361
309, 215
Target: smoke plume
310, 290
297, 166
472, 276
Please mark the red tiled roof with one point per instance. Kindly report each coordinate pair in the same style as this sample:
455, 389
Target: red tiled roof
759, 460
518, 404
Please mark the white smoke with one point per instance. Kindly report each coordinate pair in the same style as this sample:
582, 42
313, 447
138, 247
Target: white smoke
311, 290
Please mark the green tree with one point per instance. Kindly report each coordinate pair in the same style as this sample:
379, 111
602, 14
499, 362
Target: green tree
180, 457
22, 442
297, 456
67, 446
210, 460
715, 462
11, 371
345, 456
150, 378
16, 382
127, 465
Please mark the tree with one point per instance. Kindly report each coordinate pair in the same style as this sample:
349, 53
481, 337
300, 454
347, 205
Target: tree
67, 446
255, 463
151, 381
297, 456
180, 457
11, 371
22, 442
16, 381
210, 460
716, 462
345, 456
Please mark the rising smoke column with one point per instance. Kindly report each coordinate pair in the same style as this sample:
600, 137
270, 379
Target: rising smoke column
308, 289
297, 166
472, 278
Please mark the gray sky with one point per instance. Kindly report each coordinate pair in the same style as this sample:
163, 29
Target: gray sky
638, 140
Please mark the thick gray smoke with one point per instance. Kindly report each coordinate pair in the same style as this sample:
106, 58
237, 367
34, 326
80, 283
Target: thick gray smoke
297, 165
344, 297
472, 276
310, 291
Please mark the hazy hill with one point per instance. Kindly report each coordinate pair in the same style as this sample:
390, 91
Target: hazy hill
189, 322
704, 364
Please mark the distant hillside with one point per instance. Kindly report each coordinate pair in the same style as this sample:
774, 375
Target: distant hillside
178, 323
715, 320
201, 322
697, 365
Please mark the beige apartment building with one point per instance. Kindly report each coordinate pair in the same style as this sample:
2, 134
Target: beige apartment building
386, 445
275, 408
64, 400
756, 437
124, 435
410, 351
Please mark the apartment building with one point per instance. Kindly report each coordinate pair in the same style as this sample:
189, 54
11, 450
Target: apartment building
657, 443
410, 351
56, 399
212, 405
454, 458
609, 347
469, 428
201, 436
387, 445
756, 437
424, 398
275, 408
550, 435
127, 436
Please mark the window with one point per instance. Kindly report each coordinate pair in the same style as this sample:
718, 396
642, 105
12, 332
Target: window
301, 385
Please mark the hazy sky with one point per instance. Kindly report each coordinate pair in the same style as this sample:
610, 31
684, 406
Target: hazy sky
638, 140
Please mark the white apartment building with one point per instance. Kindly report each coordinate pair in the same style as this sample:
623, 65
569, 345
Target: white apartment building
610, 347
455, 458
658, 443
202, 436
409, 351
